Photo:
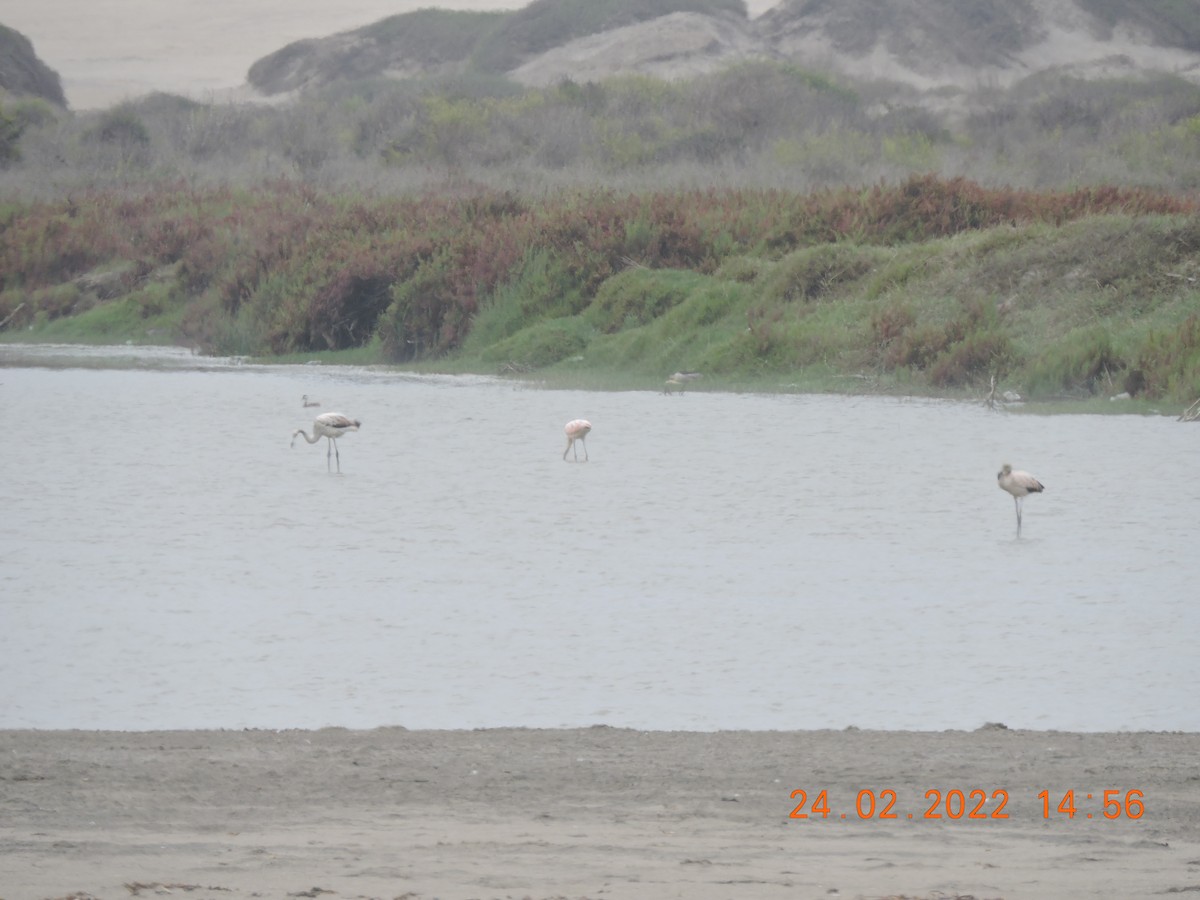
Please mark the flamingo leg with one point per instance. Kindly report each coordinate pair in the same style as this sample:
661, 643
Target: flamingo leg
1017, 503
585, 453
338, 456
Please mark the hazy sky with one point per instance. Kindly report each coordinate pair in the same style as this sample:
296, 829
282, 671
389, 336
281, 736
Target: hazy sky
107, 50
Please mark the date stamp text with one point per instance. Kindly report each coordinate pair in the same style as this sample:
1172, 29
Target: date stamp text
968, 804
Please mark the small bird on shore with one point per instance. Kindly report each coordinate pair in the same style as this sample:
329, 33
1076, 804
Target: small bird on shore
332, 426
308, 402
679, 380
577, 430
1020, 485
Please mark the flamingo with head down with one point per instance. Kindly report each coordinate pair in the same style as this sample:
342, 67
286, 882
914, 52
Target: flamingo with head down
332, 426
577, 430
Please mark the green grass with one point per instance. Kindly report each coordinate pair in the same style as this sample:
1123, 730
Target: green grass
1038, 307
605, 291
148, 316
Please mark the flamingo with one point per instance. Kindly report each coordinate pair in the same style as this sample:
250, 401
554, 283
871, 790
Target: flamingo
329, 425
679, 380
1020, 485
577, 430
308, 402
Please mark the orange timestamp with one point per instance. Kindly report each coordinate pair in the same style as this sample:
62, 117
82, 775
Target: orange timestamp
967, 804
1116, 805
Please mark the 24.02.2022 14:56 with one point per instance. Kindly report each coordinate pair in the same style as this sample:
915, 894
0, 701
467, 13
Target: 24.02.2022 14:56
973, 804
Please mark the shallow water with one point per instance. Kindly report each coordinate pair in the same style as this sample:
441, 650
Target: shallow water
723, 561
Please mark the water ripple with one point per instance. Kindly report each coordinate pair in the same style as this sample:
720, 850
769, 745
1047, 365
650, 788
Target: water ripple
747, 562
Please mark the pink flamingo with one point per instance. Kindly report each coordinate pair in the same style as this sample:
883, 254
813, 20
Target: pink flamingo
577, 430
329, 425
1020, 485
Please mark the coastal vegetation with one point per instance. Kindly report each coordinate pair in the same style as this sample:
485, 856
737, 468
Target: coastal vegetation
929, 286
759, 125
766, 224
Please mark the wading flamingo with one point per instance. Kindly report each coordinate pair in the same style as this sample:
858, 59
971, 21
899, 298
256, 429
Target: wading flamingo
308, 402
577, 430
1020, 485
329, 425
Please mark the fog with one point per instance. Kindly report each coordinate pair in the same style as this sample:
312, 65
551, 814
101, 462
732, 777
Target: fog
107, 51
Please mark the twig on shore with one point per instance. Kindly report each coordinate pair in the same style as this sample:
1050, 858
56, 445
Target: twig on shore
7, 318
1191, 414
996, 400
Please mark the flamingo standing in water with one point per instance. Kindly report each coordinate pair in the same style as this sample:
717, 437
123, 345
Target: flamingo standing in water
308, 402
577, 430
1020, 485
329, 425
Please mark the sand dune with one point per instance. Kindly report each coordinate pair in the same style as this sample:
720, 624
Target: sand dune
110, 50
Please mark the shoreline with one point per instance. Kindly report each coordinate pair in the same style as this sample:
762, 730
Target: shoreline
172, 357
594, 812
352, 730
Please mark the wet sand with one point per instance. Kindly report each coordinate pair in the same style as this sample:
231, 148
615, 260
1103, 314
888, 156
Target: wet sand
517, 813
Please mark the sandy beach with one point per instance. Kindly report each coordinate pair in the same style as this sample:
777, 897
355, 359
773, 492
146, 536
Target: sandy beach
596, 812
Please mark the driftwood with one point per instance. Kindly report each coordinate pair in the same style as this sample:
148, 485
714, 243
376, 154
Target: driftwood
1192, 413
994, 399
8, 318
990, 400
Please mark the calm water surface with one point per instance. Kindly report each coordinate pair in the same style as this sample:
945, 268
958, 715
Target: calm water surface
723, 561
